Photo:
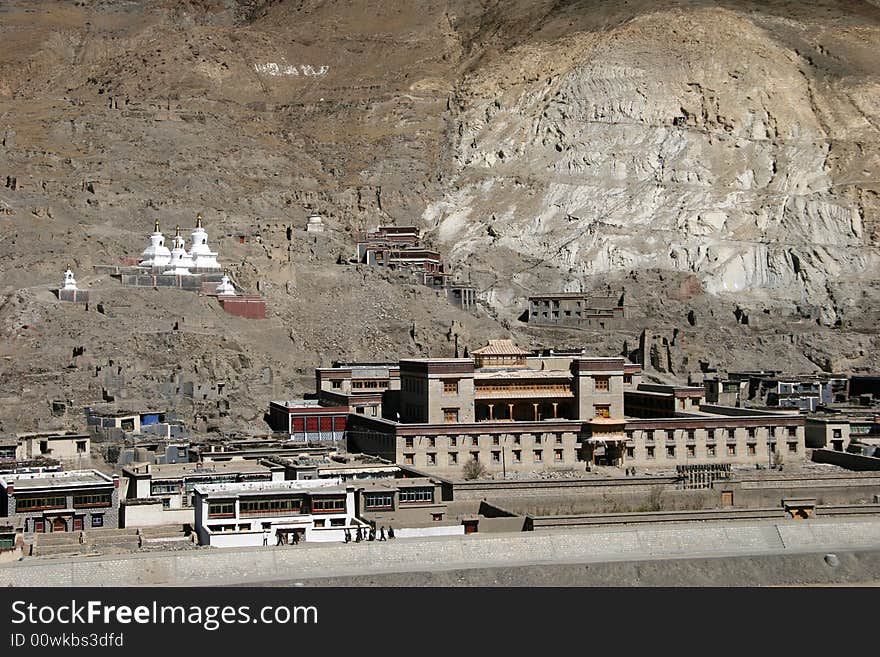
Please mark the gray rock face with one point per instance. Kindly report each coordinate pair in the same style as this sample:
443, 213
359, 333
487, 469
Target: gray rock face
736, 145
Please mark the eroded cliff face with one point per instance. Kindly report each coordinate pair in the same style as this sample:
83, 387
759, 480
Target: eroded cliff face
737, 142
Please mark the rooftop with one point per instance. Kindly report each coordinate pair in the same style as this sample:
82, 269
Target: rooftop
503, 347
177, 470
333, 485
520, 373
37, 480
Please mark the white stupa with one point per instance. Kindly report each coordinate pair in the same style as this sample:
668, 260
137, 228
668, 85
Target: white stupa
69, 281
180, 261
202, 256
225, 289
157, 254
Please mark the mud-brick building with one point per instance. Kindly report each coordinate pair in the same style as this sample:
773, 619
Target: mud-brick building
514, 411
59, 501
577, 311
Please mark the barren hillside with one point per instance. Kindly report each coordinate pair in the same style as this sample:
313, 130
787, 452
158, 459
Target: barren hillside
712, 160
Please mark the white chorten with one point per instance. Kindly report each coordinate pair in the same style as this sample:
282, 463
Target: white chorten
202, 256
180, 261
225, 289
69, 281
157, 254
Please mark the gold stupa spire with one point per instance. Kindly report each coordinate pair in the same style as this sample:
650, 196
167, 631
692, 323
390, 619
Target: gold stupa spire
199, 220
156, 230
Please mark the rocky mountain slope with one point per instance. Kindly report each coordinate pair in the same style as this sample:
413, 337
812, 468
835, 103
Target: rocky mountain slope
713, 161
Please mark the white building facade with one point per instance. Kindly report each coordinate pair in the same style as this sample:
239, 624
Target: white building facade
275, 513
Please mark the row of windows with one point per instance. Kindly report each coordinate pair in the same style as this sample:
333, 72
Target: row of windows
711, 434
495, 455
378, 501
43, 502
509, 387
412, 495
270, 507
92, 499
369, 384
711, 450
474, 441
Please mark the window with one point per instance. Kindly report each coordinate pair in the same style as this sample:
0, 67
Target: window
450, 387
710, 450
691, 434
80, 446
601, 383
649, 436
475, 456
221, 509
416, 495
539, 456
537, 440
496, 440
517, 456
453, 442
37, 503
450, 415
337, 522
792, 447
98, 520
475, 440
650, 452
436, 517
516, 440
558, 438
453, 458
670, 451
44, 445
378, 501
432, 442
627, 378
432, 458
336, 384
630, 452
838, 433
792, 432
603, 411
408, 459
328, 504
731, 450
496, 457
691, 450
751, 431
93, 499
409, 442
710, 434
319, 523
751, 448
270, 506
772, 448
670, 434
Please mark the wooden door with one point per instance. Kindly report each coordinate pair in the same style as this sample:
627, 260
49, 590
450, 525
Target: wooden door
58, 525
727, 498
77, 524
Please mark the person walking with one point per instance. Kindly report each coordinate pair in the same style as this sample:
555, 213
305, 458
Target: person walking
390, 531
382, 533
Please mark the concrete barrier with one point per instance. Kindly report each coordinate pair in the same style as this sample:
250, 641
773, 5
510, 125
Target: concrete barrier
207, 566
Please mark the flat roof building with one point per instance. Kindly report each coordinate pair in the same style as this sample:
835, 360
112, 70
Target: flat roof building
274, 513
59, 501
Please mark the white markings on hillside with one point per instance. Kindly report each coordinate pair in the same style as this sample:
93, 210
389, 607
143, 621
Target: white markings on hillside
273, 69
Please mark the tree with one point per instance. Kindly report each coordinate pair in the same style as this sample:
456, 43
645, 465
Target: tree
474, 469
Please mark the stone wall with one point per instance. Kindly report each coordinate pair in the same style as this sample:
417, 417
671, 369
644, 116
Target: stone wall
211, 566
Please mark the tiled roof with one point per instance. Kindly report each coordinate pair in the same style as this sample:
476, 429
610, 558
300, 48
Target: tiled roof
501, 348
